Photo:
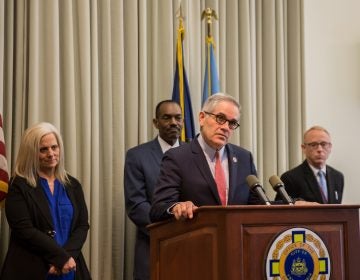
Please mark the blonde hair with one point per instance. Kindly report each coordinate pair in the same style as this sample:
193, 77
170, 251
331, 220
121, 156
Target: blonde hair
27, 161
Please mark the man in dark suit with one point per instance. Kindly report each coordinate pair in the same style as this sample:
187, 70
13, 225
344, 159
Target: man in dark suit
189, 175
142, 166
304, 181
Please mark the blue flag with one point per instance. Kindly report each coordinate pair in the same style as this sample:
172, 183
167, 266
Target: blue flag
181, 92
211, 78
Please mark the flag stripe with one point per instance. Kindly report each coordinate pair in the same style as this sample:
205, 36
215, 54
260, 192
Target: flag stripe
4, 175
179, 56
181, 91
2, 147
211, 78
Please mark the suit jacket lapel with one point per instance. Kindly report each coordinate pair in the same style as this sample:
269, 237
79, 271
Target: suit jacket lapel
233, 165
333, 196
40, 199
156, 151
201, 162
312, 183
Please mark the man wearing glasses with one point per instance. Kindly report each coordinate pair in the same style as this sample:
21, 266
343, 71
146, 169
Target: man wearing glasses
314, 180
207, 171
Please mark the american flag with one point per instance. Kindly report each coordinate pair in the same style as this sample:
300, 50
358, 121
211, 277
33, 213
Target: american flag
4, 176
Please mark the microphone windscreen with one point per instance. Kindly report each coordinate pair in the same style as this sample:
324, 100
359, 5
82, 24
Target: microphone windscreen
252, 181
275, 181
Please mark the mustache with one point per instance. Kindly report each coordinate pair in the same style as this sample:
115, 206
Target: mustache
178, 127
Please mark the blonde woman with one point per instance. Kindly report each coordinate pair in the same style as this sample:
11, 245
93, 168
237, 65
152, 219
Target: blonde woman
46, 212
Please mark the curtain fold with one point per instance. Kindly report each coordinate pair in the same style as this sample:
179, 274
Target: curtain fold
97, 69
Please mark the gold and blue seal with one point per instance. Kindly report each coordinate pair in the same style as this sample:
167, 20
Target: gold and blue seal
298, 254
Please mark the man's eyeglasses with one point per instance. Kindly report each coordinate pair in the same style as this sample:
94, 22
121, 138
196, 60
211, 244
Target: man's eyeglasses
315, 145
221, 119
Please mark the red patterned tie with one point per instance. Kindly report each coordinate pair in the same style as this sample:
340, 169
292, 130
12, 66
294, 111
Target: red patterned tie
220, 179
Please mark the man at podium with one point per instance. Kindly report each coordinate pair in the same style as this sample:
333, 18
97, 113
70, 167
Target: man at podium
208, 170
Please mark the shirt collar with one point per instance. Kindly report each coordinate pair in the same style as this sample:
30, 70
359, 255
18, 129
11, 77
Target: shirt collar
165, 146
316, 170
210, 152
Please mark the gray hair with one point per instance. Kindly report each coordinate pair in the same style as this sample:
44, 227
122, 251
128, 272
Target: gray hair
216, 98
27, 161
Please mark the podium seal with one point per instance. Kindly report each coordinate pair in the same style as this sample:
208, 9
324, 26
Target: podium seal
298, 254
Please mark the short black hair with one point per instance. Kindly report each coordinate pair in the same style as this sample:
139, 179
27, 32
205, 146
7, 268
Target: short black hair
157, 109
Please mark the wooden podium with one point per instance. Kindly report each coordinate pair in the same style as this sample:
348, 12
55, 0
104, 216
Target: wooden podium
233, 242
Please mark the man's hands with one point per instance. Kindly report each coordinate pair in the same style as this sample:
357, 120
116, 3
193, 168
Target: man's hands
184, 210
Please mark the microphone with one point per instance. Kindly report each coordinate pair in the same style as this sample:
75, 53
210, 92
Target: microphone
254, 184
279, 187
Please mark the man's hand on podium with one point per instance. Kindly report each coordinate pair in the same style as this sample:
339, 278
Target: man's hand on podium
184, 210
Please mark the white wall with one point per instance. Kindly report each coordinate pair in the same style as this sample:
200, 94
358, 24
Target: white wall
332, 82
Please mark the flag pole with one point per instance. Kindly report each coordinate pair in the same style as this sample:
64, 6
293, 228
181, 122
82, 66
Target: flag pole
209, 14
179, 53
181, 90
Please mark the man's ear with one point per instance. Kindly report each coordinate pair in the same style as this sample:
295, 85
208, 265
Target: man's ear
155, 123
303, 147
201, 117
